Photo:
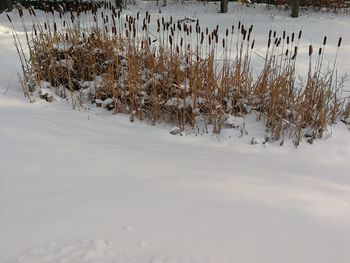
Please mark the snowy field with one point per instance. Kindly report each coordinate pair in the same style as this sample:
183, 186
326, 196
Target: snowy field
90, 187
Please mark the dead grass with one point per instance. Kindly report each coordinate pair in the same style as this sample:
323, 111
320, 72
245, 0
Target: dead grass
176, 74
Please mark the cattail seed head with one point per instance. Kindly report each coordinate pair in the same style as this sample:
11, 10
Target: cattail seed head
339, 41
310, 50
319, 51
300, 33
325, 40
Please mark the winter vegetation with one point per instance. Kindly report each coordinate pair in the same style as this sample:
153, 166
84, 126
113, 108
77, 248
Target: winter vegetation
174, 132
182, 73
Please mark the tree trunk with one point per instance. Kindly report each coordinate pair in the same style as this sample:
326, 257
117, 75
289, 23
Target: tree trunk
295, 8
6, 5
223, 6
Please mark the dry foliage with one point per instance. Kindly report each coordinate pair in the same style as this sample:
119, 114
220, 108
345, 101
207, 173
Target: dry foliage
175, 75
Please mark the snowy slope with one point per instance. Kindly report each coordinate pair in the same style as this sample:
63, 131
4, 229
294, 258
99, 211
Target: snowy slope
89, 187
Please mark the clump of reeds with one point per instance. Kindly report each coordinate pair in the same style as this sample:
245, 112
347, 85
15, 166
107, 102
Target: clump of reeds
182, 74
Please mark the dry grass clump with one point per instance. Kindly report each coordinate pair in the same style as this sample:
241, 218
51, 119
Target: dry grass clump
181, 74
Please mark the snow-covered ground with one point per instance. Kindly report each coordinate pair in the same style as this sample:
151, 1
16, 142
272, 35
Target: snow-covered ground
90, 187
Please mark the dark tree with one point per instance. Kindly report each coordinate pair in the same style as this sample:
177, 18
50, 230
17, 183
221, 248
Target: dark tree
295, 8
6, 4
223, 6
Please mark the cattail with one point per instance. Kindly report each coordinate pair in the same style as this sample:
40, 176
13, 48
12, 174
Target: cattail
9, 18
181, 42
310, 50
319, 51
138, 15
206, 31
232, 29
287, 40
295, 52
202, 38
223, 43
287, 52
339, 41
278, 42
325, 40
226, 32
250, 29
270, 32
209, 39
292, 37
149, 41
253, 43
177, 49
239, 25
284, 34
170, 40
244, 34
45, 25
269, 43
274, 34
300, 33
55, 27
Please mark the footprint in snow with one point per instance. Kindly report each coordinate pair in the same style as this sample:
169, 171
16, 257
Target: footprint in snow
87, 251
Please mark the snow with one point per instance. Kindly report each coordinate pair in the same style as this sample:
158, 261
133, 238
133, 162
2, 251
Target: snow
90, 187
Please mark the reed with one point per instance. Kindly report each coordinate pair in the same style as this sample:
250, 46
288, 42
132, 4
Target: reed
180, 74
